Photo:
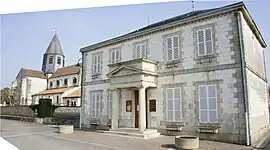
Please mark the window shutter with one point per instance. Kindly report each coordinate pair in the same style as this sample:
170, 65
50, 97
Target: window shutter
117, 56
208, 41
177, 104
138, 51
212, 99
203, 104
200, 38
169, 48
176, 47
93, 98
98, 99
169, 104
143, 51
113, 57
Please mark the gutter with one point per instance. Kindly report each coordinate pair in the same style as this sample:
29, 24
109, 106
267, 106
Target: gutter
243, 64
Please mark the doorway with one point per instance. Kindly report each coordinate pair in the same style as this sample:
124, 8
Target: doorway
136, 93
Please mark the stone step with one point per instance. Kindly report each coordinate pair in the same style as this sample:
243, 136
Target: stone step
148, 134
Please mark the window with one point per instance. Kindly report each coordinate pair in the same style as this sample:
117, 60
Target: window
97, 64
95, 105
172, 47
115, 56
50, 59
74, 80
68, 102
59, 60
152, 107
51, 84
141, 50
173, 103
57, 83
66, 82
110, 104
128, 106
205, 43
208, 103
74, 103
57, 99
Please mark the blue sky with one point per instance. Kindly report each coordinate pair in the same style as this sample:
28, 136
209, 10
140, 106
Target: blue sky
25, 36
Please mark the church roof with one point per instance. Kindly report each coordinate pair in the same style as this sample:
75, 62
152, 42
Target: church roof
66, 71
55, 46
32, 73
52, 91
74, 94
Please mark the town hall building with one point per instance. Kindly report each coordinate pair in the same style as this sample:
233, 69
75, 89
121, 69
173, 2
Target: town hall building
200, 73
55, 81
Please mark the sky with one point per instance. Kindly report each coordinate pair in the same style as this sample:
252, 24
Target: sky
26, 36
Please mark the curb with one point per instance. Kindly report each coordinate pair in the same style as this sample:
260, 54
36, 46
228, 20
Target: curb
262, 143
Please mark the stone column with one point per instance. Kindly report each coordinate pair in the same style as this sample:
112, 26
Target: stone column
142, 110
115, 108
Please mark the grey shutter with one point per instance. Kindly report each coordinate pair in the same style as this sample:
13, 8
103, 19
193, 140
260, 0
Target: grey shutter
138, 51
208, 41
117, 56
113, 56
143, 51
200, 39
203, 104
169, 104
177, 104
98, 100
176, 47
212, 102
93, 99
169, 49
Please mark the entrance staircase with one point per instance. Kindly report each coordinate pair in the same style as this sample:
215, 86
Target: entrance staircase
134, 132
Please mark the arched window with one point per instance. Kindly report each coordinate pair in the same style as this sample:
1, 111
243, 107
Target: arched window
74, 103
57, 99
66, 82
74, 80
51, 84
57, 82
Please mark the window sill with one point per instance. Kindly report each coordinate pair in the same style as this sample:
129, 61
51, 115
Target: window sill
174, 126
209, 127
94, 122
206, 56
171, 64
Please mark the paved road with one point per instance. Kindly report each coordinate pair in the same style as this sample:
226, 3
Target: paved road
28, 136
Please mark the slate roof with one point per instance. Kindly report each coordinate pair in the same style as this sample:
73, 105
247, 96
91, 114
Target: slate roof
55, 46
73, 69
33, 73
183, 17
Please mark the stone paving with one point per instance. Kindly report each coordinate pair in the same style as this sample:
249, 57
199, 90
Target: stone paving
31, 137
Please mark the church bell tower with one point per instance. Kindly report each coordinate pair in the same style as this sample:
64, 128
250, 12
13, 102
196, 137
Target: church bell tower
54, 57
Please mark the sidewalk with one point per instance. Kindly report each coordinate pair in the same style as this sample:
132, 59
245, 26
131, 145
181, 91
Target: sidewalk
127, 143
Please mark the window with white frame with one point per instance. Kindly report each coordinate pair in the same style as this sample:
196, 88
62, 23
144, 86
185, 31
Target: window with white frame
97, 64
109, 104
141, 50
173, 104
208, 103
172, 48
95, 104
205, 41
115, 56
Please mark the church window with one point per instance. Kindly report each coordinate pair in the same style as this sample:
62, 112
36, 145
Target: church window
66, 82
50, 59
74, 80
57, 82
59, 60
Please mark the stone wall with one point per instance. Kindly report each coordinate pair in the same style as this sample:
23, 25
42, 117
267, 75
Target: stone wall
17, 111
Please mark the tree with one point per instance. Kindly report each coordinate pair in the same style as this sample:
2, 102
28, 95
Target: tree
10, 96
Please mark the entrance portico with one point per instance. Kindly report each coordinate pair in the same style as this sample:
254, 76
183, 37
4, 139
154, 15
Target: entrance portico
137, 75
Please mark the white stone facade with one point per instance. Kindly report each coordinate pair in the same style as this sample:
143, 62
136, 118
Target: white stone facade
154, 78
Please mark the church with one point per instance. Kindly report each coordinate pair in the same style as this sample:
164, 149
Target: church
55, 81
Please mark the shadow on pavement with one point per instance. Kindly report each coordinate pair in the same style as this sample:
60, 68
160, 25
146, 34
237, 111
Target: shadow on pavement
170, 146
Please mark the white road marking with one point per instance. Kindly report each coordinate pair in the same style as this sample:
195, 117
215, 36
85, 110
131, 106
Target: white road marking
82, 142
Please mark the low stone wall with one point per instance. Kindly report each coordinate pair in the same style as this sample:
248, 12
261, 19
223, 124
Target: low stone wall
17, 111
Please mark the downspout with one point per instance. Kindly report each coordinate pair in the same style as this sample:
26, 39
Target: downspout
81, 92
243, 64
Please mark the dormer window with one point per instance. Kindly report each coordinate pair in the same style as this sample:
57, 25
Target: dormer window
59, 60
50, 59
57, 83
66, 82
74, 80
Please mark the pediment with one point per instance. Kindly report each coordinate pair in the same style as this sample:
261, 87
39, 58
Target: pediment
123, 70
